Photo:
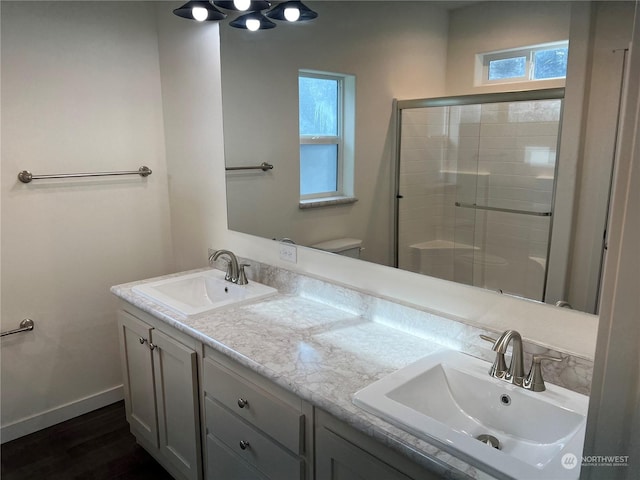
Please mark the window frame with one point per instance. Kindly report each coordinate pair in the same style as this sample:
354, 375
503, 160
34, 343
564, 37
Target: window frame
483, 61
338, 139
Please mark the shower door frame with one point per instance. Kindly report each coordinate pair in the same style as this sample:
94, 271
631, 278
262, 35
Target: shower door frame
475, 99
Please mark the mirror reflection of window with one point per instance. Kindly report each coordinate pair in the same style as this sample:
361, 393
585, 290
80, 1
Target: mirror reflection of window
537, 62
322, 98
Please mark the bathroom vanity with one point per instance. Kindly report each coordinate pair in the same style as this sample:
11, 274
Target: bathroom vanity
265, 389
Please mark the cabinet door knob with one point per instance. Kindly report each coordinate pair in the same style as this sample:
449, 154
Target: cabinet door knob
142, 340
244, 445
242, 402
152, 346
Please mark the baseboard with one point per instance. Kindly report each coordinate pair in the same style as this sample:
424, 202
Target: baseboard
32, 424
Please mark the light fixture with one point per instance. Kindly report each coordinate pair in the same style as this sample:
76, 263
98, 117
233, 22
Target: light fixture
292, 11
242, 5
200, 11
203, 10
253, 21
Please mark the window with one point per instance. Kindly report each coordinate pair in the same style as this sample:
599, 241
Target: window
539, 62
326, 104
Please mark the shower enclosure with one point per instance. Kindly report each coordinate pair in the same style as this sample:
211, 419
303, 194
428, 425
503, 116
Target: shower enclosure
475, 188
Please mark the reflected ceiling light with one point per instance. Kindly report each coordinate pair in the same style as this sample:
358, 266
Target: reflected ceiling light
200, 11
242, 5
203, 10
292, 11
292, 14
253, 21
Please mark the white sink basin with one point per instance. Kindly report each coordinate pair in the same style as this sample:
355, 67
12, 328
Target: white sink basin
201, 292
449, 399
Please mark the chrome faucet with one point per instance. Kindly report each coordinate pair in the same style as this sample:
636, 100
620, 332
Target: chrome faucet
515, 373
232, 264
235, 273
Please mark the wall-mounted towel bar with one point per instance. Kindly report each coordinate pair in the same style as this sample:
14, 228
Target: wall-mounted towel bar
26, 176
506, 210
264, 166
26, 325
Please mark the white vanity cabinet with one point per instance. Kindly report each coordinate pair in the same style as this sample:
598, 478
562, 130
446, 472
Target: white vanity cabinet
342, 453
254, 429
200, 413
161, 392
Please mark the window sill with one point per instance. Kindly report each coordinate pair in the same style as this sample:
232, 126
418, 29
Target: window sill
326, 202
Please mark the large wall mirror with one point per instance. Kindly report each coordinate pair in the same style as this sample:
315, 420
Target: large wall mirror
383, 51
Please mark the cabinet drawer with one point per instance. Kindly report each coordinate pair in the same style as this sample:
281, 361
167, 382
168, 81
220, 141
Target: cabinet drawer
266, 412
251, 445
223, 464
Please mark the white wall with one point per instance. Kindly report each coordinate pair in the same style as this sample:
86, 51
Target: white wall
80, 93
497, 25
192, 103
393, 52
612, 34
613, 426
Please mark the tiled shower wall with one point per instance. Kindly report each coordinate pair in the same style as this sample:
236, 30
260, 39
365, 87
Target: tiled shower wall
499, 155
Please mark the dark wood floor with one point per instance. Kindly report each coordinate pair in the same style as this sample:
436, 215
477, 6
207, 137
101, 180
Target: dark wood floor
96, 446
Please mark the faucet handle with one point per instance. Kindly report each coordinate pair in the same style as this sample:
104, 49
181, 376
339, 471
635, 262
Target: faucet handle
488, 338
534, 380
242, 275
499, 367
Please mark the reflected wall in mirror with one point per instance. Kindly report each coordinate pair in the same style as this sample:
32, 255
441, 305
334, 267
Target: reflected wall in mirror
411, 50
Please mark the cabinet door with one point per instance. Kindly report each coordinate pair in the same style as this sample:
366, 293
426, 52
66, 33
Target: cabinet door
177, 394
137, 367
337, 459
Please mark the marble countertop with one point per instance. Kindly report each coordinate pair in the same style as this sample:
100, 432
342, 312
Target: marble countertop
321, 353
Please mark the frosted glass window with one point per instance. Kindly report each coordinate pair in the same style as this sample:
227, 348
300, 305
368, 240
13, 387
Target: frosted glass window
327, 126
319, 106
318, 169
550, 63
536, 62
507, 68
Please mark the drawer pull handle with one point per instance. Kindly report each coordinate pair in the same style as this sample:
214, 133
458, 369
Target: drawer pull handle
244, 445
243, 403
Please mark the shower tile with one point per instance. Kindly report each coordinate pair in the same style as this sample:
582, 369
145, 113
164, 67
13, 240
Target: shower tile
543, 141
436, 116
499, 130
525, 129
469, 130
413, 130
469, 113
498, 143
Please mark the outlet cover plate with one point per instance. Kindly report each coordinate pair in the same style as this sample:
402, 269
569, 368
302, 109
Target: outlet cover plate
288, 252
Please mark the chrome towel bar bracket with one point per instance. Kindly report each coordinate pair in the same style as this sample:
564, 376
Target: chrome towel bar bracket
26, 176
26, 325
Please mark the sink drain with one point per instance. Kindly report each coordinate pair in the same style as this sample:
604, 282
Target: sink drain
489, 440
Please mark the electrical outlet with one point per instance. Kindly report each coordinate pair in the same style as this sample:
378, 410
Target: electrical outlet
288, 252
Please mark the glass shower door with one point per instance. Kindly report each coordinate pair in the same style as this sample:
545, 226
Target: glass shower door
438, 165
475, 191
514, 196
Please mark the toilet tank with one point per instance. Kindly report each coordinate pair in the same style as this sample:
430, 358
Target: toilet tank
348, 247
